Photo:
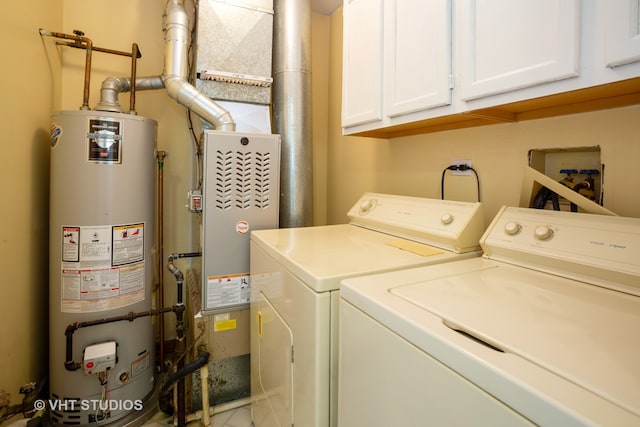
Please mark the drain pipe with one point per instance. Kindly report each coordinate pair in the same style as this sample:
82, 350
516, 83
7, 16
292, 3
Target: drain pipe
181, 347
292, 109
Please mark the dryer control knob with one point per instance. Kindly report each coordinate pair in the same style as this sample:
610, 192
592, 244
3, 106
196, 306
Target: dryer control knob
543, 232
446, 219
512, 228
367, 205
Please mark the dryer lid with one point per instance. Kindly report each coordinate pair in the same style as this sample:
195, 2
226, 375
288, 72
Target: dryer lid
322, 256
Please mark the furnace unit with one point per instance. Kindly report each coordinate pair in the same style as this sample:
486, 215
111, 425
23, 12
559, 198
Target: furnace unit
240, 194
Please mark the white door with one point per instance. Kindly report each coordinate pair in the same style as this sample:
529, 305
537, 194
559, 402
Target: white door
418, 55
505, 45
362, 62
623, 32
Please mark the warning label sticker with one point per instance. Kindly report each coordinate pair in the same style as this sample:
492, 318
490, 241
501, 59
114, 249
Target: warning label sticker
225, 291
102, 267
128, 244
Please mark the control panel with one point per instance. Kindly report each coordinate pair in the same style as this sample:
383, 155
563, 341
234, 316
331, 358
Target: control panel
99, 357
565, 241
444, 223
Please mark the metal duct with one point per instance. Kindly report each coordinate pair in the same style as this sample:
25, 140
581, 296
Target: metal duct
113, 86
176, 41
234, 45
174, 77
292, 109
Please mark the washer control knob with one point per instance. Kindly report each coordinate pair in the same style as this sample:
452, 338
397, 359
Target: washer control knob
512, 228
367, 205
446, 219
543, 232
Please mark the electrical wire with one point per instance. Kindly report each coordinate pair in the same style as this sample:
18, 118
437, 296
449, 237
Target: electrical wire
197, 142
458, 168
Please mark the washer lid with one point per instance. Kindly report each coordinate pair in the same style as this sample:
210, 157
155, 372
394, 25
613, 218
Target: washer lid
586, 334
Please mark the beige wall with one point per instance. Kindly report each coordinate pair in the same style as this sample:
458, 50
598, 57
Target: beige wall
116, 24
39, 78
321, 36
42, 78
28, 96
413, 165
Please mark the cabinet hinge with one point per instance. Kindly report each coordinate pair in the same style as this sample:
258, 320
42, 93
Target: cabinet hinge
452, 81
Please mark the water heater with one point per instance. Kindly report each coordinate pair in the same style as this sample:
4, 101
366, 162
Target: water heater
101, 239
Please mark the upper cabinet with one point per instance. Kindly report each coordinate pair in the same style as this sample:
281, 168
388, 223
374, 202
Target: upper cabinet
397, 58
417, 59
362, 42
414, 66
506, 45
622, 32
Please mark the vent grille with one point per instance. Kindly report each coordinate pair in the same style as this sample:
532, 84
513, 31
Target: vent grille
224, 180
263, 180
242, 180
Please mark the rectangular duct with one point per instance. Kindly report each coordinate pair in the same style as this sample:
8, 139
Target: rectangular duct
234, 49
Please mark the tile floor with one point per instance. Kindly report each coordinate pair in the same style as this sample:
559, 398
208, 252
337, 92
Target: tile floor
239, 417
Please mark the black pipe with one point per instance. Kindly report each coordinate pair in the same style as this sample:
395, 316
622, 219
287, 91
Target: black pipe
71, 365
176, 377
579, 186
181, 346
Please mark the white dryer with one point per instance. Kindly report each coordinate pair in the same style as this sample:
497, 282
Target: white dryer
543, 329
295, 278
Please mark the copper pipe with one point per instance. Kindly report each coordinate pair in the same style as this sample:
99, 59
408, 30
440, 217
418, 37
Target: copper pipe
102, 49
82, 42
160, 295
132, 99
87, 73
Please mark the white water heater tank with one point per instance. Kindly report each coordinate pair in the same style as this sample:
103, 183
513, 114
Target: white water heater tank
102, 204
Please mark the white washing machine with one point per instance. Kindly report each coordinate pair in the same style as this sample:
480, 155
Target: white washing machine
544, 329
295, 277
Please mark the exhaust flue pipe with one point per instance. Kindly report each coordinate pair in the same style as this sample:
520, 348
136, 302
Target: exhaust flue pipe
176, 42
113, 86
292, 109
174, 77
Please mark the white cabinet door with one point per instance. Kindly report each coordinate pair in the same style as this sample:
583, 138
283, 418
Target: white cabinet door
417, 55
362, 62
506, 45
622, 32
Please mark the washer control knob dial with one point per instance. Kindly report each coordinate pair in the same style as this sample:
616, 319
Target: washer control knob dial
543, 232
512, 228
446, 219
367, 206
